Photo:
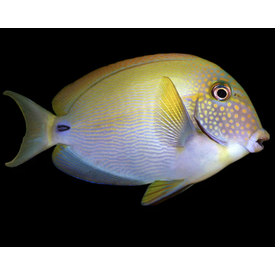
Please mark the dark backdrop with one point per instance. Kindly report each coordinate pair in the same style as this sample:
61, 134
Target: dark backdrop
40, 56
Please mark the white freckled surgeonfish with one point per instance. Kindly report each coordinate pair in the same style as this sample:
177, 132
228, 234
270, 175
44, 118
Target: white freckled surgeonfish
168, 120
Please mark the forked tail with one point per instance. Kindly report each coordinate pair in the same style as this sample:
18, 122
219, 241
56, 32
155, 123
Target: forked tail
38, 135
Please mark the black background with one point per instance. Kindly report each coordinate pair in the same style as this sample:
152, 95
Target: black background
41, 206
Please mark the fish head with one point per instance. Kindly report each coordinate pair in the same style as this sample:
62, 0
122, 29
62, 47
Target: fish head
225, 113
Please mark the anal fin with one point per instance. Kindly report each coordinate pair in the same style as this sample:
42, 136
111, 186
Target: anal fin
160, 191
67, 161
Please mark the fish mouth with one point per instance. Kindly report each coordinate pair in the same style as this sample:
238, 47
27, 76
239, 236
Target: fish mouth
255, 142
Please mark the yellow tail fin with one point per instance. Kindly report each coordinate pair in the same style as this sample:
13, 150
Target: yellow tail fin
39, 124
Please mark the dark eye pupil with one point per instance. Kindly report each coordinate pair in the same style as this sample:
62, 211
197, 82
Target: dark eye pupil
222, 93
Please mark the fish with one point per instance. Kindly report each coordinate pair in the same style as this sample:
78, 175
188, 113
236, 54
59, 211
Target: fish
165, 120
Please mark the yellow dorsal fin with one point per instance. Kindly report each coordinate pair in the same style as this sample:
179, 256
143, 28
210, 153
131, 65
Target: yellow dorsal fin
173, 123
67, 96
159, 191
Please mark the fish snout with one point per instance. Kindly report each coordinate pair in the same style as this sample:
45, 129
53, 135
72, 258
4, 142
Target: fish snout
255, 142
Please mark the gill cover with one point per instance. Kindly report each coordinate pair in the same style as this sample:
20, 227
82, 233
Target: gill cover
227, 115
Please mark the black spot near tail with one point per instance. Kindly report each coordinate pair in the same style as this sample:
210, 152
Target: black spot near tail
62, 128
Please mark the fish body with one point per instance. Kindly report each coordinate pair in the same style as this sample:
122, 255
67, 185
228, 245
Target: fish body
168, 120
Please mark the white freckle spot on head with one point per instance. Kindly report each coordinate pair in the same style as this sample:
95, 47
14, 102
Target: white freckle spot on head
232, 126
236, 115
242, 132
249, 133
215, 133
247, 125
230, 131
237, 132
231, 121
223, 118
217, 118
211, 117
223, 131
201, 116
242, 127
210, 127
226, 125
220, 124
237, 124
243, 119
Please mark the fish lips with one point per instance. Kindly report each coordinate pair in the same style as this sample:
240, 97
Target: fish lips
255, 142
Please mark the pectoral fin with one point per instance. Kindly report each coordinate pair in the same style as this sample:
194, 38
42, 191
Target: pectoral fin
160, 191
173, 122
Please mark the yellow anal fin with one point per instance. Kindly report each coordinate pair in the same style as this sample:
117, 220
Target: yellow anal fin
160, 191
173, 123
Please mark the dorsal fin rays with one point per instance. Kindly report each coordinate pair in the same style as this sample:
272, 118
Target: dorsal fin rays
173, 123
67, 96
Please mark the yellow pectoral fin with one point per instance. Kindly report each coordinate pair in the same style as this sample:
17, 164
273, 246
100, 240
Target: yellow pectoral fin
173, 122
160, 191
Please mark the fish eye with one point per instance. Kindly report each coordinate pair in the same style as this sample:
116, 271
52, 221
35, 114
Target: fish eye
221, 92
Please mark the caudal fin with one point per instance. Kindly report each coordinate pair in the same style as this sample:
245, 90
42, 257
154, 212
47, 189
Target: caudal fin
38, 136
